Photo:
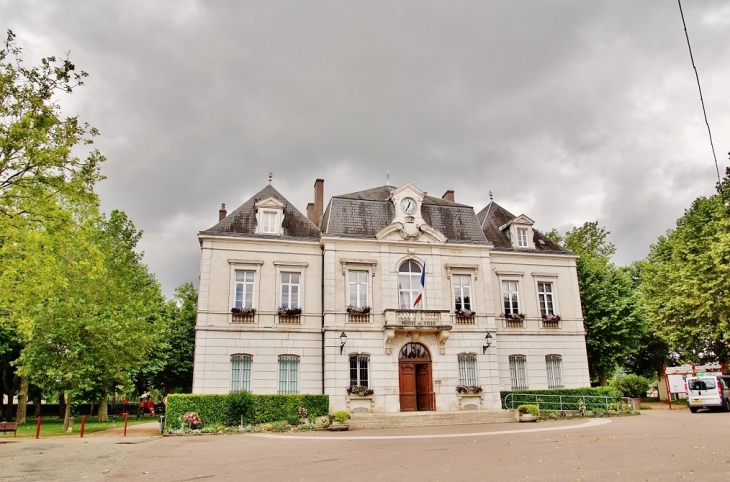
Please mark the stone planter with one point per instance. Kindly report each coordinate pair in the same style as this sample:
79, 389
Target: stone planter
470, 401
338, 427
526, 417
360, 404
636, 403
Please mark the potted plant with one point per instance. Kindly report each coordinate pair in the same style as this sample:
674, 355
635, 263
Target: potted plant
528, 413
337, 421
633, 387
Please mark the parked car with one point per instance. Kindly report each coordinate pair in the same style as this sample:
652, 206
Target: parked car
708, 391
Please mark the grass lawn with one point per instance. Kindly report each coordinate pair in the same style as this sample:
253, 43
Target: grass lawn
53, 426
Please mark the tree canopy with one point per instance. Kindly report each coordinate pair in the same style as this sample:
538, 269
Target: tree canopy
686, 281
611, 313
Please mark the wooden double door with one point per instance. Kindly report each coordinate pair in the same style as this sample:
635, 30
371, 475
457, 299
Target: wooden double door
416, 386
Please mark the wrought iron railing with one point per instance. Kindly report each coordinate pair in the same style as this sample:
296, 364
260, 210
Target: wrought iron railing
547, 402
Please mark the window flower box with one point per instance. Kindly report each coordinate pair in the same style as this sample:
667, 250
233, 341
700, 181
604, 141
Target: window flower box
358, 310
462, 389
289, 311
465, 317
551, 321
514, 320
243, 315
360, 399
243, 311
470, 396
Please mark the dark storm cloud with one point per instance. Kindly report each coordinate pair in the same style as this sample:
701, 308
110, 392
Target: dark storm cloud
567, 111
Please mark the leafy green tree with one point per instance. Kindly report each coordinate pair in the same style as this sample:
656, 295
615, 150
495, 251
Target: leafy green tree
611, 313
170, 366
686, 281
37, 144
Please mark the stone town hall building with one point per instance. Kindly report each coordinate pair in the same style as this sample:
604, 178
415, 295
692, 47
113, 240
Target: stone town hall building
368, 249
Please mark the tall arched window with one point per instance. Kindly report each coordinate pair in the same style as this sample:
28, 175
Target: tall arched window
409, 284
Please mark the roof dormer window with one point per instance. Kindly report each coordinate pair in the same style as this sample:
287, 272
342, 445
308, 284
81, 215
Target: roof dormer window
269, 224
269, 216
519, 231
522, 238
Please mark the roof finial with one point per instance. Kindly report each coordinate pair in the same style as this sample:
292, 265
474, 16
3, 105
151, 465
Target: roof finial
387, 178
271, 176
491, 197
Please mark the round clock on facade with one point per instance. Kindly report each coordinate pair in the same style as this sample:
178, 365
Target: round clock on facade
408, 205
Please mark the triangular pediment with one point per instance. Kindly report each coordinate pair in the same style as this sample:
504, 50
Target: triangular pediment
522, 220
408, 188
270, 203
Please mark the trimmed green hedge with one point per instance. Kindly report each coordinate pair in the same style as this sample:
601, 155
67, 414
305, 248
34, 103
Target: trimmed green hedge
570, 401
227, 409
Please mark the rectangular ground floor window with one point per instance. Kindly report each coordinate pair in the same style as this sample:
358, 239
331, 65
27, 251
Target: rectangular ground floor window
517, 372
288, 374
240, 373
554, 365
468, 370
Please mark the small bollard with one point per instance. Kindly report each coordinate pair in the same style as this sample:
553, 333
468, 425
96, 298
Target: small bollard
126, 419
38, 428
162, 424
83, 424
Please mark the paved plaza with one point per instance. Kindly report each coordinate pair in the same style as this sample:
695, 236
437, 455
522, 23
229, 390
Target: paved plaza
657, 445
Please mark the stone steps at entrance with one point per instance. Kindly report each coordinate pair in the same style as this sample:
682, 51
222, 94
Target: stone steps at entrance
424, 419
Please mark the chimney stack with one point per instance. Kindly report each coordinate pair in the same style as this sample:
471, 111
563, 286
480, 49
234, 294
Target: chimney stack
318, 201
310, 213
222, 213
448, 196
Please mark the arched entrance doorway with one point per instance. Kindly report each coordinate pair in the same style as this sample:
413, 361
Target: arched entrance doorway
416, 384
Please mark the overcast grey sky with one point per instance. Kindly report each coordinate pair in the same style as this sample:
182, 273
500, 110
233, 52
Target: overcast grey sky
569, 111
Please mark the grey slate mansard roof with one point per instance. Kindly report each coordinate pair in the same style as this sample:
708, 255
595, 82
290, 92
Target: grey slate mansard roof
493, 216
362, 214
242, 221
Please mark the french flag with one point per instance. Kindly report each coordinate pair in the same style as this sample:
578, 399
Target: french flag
423, 285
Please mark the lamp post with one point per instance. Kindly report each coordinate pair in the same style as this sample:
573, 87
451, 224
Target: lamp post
487, 343
343, 340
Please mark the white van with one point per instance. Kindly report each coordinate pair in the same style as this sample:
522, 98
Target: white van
708, 390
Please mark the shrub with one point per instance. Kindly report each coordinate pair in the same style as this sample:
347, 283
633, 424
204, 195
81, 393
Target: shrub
633, 386
228, 409
239, 408
341, 416
531, 409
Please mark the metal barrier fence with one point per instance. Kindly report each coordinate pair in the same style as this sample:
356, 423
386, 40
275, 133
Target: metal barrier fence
557, 403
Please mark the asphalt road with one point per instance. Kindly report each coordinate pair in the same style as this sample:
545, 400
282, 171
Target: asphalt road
656, 445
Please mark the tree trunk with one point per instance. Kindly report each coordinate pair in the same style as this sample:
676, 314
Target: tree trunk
603, 380
67, 412
103, 413
91, 408
38, 405
22, 400
61, 405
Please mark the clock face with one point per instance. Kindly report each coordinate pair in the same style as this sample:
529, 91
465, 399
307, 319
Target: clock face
408, 205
